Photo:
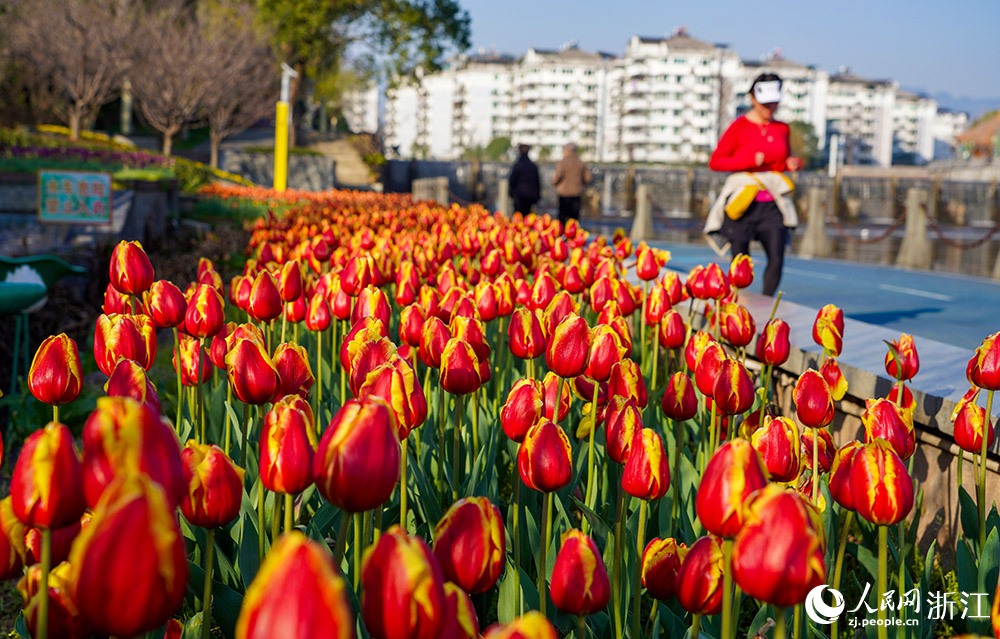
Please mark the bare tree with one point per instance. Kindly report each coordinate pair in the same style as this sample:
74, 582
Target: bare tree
75, 49
172, 71
244, 85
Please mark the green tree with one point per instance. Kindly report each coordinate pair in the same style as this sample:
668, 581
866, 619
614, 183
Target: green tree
804, 143
497, 148
313, 35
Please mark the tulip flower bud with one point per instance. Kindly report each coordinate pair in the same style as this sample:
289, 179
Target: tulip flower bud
526, 338
984, 367
403, 588
532, 625
371, 302
523, 408
46, 487
699, 580
545, 458
318, 316
298, 592
568, 352
661, 563
287, 443
130, 271
623, 421
252, 374
214, 486
828, 330
716, 282
907, 402
550, 386
656, 306
205, 314
825, 449
486, 301
195, 362
731, 475
773, 346
737, 326
778, 555
62, 541
733, 392
840, 475
607, 350
968, 419
396, 383
741, 271
115, 303
579, 579
118, 337
294, 371
698, 341
646, 474
219, 347
129, 569
433, 338
679, 401
12, 541
906, 363
368, 334
777, 443
708, 367
265, 299
411, 325
165, 304
813, 401
885, 420
459, 368
627, 381
63, 618
835, 379
672, 330
356, 466
881, 486
242, 331
56, 375
130, 380
469, 544
542, 292
290, 281
460, 616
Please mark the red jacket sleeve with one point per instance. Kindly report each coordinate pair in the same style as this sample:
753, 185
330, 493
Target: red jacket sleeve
728, 156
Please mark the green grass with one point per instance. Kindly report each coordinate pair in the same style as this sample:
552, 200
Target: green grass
296, 150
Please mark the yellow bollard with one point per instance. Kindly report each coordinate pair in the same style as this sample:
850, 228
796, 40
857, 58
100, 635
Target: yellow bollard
281, 147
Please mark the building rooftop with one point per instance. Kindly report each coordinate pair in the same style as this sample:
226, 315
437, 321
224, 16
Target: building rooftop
775, 63
571, 54
846, 77
681, 41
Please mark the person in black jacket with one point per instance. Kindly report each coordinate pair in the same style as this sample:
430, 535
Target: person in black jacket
525, 188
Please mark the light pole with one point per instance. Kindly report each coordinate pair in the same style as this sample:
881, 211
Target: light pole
281, 121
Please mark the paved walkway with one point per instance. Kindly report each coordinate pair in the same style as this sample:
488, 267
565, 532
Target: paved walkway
949, 308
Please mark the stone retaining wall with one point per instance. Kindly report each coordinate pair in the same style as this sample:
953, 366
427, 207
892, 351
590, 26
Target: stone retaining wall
305, 172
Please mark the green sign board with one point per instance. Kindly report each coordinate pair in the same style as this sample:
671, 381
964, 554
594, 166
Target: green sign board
74, 197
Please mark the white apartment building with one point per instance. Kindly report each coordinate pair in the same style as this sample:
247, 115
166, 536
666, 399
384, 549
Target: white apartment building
804, 91
361, 109
670, 98
559, 97
947, 126
913, 126
861, 113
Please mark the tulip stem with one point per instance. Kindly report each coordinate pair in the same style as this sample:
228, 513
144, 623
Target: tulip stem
695, 626
377, 524
201, 390
727, 590
585, 526
558, 403
402, 484
475, 426
441, 443
713, 435
516, 499
981, 478
815, 471
55, 413
319, 380
289, 511
43, 603
767, 391
275, 519
642, 326
456, 448
797, 622
616, 581
839, 565
656, 359
637, 583
356, 545
883, 543
779, 621
340, 543
901, 545
246, 429
229, 401
543, 553
678, 447
260, 523
180, 388
961, 462
206, 600
581, 626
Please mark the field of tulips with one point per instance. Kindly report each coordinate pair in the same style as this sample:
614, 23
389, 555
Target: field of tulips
408, 421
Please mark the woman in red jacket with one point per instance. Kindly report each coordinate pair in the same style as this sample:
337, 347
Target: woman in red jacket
758, 142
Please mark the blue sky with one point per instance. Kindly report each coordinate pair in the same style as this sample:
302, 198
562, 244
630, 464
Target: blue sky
951, 46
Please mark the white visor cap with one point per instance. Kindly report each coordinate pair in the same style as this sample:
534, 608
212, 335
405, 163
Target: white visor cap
767, 92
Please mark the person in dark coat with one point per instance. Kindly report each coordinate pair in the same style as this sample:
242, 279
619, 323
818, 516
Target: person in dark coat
525, 187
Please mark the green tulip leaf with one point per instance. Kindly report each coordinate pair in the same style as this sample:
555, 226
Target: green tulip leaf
969, 516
